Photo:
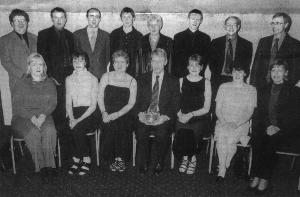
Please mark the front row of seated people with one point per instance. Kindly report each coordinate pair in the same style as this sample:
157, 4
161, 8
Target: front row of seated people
153, 105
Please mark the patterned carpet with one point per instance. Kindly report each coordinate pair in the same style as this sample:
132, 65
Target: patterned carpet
102, 182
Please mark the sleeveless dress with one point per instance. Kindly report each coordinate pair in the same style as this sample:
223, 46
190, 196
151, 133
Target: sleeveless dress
117, 136
188, 136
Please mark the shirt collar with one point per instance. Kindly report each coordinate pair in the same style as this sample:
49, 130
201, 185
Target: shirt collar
21, 36
233, 39
161, 75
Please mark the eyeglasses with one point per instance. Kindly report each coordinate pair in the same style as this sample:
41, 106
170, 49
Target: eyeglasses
276, 23
233, 25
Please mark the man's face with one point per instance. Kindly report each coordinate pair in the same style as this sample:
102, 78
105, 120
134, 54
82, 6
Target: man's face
278, 25
127, 19
231, 27
194, 21
154, 27
158, 63
59, 20
93, 18
19, 24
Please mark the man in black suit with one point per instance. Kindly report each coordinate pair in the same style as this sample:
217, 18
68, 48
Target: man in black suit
56, 45
280, 45
189, 42
95, 42
228, 51
156, 106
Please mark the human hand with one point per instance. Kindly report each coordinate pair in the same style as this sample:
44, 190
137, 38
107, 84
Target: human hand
113, 116
73, 122
185, 118
232, 125
271, 130
142, 118
41, 119
298, 84
161, 120
35, 121
105, 117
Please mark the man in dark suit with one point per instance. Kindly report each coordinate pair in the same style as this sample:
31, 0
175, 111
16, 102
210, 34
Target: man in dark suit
56, 45
228, 51
189, 42
94, 42
16, 46
280, 45
156, 106
126, 38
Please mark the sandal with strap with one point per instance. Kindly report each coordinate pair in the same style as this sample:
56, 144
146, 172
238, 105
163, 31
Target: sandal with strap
74, 168
84, 169
183, 165
191, 167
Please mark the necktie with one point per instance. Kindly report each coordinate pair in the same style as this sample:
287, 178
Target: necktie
154, 98
229, 58
93, 38
274, 51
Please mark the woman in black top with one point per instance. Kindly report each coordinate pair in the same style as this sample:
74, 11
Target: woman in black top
270, 124
192, 117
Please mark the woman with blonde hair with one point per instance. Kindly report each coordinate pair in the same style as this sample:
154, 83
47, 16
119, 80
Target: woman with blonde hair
33, 101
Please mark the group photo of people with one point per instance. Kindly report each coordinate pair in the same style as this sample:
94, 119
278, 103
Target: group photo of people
90, 103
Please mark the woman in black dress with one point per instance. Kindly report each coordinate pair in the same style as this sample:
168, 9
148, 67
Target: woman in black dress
117, 95
193, 114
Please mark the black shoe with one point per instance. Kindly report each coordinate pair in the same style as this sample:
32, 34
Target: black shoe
143, 169
158, 169
220, 179
262, 192
52, 172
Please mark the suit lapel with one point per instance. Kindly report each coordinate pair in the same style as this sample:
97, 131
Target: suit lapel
86, 40
162, 90
284, 44
99, 42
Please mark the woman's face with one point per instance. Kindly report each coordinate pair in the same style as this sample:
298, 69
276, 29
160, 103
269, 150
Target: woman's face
194, 68
238, 75
277, 74
154, 27
79, 63
36, 67
120, 64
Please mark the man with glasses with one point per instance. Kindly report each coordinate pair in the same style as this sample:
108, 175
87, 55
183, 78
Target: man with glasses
280, 45
16, 46
95, 42
227, 52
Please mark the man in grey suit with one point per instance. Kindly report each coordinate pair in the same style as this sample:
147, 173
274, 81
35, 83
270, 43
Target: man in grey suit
95, 42
16, 46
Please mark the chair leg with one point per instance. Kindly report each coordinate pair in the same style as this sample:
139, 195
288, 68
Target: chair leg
172, 154
299, 184
59, 153
212, 145
12, 154
133, 149
293, 162
250, 161
21, 149
97, 146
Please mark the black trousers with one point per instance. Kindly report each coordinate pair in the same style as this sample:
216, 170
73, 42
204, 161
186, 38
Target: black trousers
80, 140
161, 142
264, 155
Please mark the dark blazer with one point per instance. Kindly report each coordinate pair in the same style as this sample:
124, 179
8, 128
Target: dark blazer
289, 51
144, 53
169, 96
57, 52
14, 53
187, 43
243, 56
127, 42
261, 116
99, 58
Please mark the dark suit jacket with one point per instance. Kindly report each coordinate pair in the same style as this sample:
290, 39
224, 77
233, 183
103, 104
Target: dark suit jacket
168, 99
99, 58
144, 53
186, 44
56, 52
243, 57
261, 116
14, 53
289, 51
